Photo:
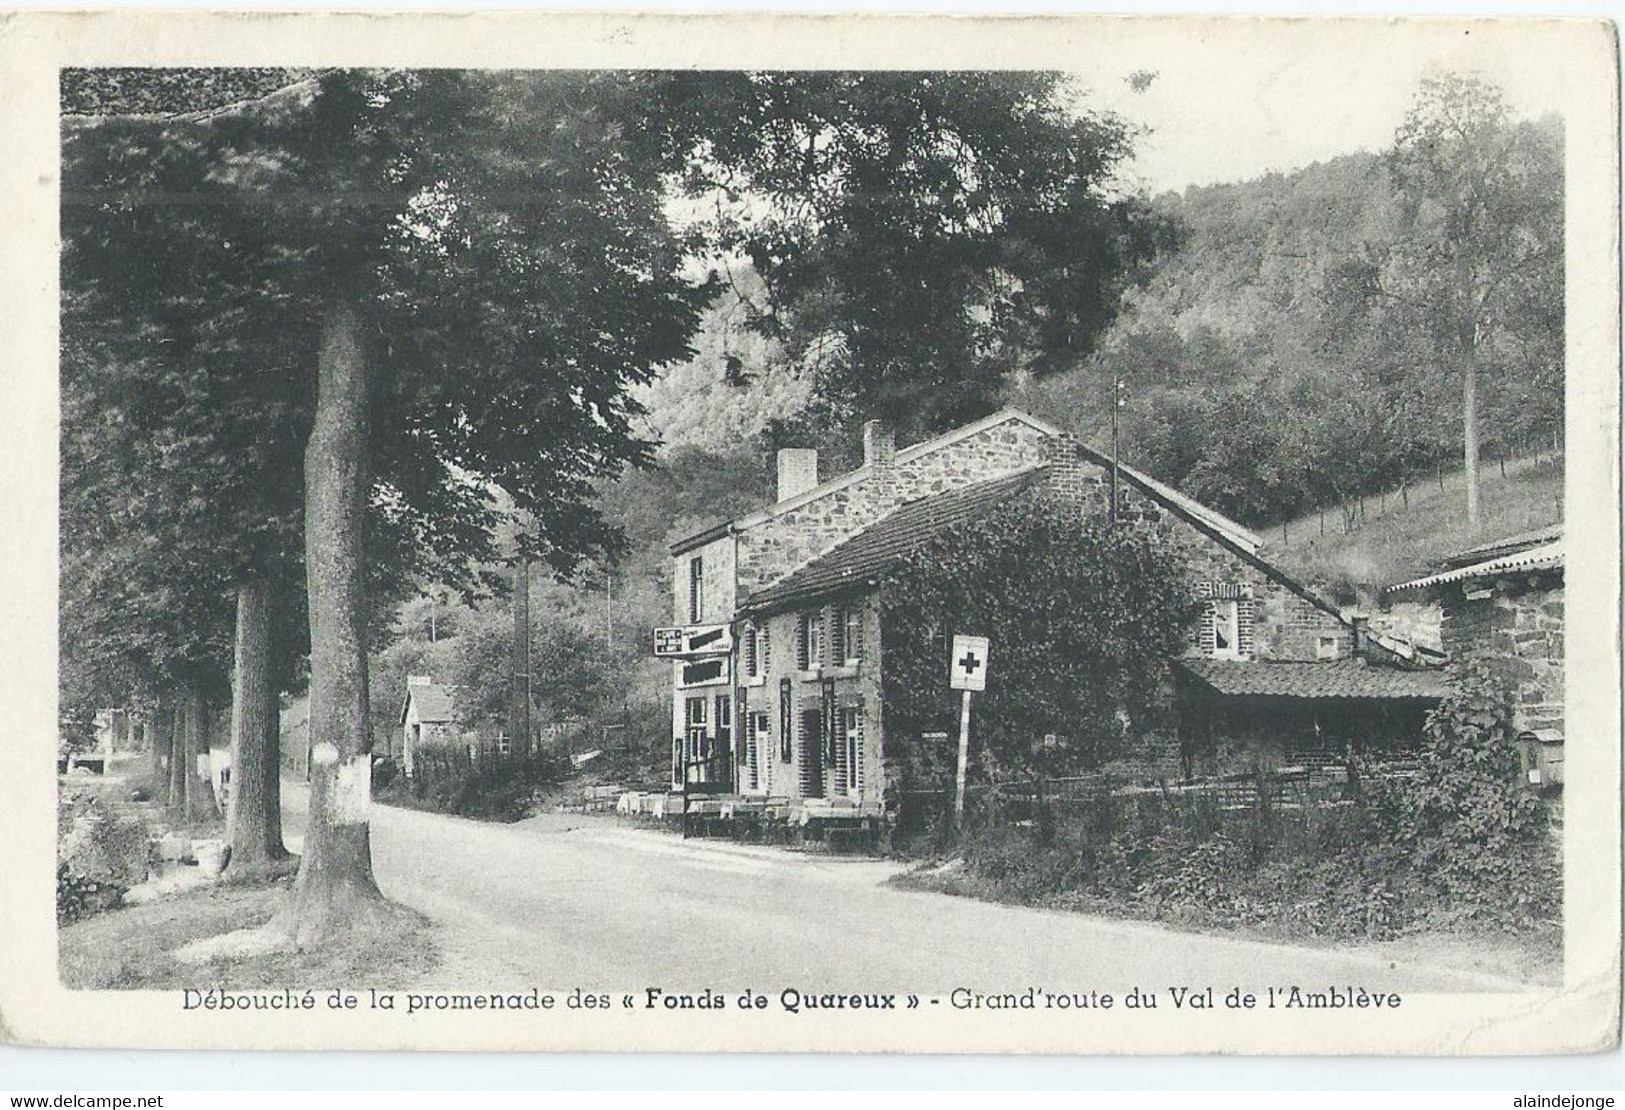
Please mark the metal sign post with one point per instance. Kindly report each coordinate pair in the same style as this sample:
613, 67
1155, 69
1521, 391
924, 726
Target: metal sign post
967, 671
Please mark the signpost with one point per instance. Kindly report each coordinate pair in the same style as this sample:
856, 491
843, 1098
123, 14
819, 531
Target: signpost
967, 671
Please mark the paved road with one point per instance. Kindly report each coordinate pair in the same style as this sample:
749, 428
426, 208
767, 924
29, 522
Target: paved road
591, 902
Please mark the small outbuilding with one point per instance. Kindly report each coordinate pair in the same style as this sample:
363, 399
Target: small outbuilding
428, 717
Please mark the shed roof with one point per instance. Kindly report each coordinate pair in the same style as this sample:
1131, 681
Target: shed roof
1545, 557
1506, 545
436, 702
1342, 679
862, 558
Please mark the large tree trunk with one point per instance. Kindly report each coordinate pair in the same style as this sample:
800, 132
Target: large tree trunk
155, 730
199, 804
176, 726
335, 888
254, 818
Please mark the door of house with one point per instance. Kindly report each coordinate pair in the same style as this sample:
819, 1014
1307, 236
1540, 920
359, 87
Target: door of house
811, 750
720, 774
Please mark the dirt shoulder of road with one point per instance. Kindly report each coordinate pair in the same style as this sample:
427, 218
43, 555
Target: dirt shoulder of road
1535, 960
134, 948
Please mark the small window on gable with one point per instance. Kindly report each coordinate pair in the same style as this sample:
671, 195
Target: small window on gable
1226, 628
1326, 647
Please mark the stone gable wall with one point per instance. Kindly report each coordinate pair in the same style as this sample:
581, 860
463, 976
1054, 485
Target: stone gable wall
1518, 633
717, 573
776, 547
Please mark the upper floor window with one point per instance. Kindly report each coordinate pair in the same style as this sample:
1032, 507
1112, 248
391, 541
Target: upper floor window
696, 589
848, 634
809, 640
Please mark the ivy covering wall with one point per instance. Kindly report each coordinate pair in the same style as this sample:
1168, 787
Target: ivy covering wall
1082, 617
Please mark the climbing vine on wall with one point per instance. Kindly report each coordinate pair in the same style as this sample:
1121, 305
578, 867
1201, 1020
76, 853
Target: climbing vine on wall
1082, 616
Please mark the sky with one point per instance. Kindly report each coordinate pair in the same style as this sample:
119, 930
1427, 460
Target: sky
1220, 111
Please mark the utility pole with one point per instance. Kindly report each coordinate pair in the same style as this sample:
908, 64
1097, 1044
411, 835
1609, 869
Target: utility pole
1117, 403
519, 705
609, 618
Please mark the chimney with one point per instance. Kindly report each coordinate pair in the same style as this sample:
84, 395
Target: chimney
798, 471
1358, 620
879, 443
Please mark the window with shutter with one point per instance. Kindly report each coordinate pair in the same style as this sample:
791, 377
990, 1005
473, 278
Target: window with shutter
846, 752
756, 732
852, 634
810, 640
696, 589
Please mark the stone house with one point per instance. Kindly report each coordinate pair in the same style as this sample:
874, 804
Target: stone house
1501, 604
794, 710
428, 718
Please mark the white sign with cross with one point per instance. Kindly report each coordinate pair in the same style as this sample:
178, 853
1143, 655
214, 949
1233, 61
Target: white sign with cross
967, 666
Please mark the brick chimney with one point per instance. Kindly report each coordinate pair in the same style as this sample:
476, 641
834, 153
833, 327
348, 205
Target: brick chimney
798, 471
879, 443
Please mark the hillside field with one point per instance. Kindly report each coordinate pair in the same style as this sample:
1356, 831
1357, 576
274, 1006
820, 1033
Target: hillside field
1396, 542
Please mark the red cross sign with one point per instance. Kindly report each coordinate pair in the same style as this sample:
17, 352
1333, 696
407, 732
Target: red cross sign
967, 666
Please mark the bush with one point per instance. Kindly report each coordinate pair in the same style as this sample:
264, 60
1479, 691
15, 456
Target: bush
1461, 842
492, 788
100, 856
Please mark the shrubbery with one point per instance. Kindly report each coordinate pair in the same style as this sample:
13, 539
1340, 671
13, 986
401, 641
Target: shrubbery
490, 788
1461, 842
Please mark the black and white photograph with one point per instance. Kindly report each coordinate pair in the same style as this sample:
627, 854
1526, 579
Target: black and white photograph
636, 541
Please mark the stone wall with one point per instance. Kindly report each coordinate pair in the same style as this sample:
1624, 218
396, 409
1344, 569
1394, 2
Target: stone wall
1517, 632
789, 540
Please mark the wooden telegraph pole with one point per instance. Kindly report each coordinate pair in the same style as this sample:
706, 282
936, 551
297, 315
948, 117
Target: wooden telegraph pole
519, 706
967, 671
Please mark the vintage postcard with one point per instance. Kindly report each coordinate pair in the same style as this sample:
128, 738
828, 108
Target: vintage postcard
821, 534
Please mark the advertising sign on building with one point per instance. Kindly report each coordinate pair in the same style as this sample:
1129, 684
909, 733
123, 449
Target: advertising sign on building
694, 639
703, 672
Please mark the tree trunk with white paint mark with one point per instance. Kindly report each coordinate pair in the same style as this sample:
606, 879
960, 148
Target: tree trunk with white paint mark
254, 819
335, 891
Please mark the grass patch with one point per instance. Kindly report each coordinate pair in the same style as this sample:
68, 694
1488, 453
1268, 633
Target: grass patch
1396, 543
134, 948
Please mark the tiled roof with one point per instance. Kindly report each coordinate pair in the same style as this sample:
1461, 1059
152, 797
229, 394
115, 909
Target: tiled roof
871, 552
1507, 545
1545, 557
437, 703
1334, 678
